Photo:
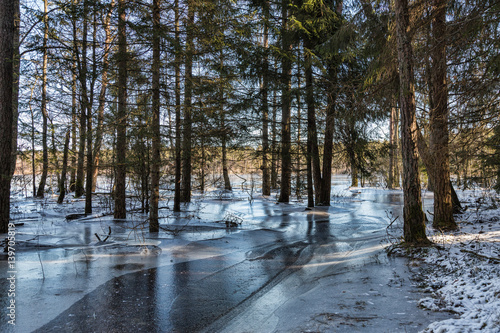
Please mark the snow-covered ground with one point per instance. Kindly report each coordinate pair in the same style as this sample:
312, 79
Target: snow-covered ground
462, 274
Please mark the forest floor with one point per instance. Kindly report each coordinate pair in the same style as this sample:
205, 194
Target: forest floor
236, 262
462, 273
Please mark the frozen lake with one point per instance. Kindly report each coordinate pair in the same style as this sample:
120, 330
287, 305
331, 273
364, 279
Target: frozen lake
283, 269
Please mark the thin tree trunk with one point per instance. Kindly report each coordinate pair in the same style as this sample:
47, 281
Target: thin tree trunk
266, 185
225, 171
15, 86
392, 146
33, 152
274, 148
121, 131
298, 182
45, 154
7, 28
154, 225
54, 151
178, 156
72, 179
312, 132
326, 181
102, 96
62, 180
188, 91
286, 157
82, 78
89, 104
443, 207
414, 225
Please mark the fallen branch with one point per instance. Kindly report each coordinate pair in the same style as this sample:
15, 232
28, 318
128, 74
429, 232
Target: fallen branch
480, 255
105, 239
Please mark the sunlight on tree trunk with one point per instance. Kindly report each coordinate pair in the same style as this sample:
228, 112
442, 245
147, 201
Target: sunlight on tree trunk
414, 225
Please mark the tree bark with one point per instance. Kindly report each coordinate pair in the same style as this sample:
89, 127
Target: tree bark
7, 28
154, 225
286, 157
121, 131
439, 136
414, 225
45, 154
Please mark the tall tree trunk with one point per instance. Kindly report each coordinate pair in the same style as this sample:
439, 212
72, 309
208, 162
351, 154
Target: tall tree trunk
102, 96
89, 101
15, 86
286, 157
62, 180
427, 157
121, 131
45, 154
72, 178
274, 147
298, 182
154, 225
326, 180
178, 156
312, 132
7, 28
188, 91
443, 207
54, 151
266, 185
82, 78
225, 171
414, 225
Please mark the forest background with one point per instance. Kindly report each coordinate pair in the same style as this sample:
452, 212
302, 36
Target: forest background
179, 95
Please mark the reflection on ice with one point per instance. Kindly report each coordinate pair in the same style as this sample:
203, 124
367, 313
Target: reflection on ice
216, 258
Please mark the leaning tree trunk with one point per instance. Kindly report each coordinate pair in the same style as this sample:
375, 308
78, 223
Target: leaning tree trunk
414, 224
45, 154
7, 10
154, 225
121, 131
443, 207
286, 157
